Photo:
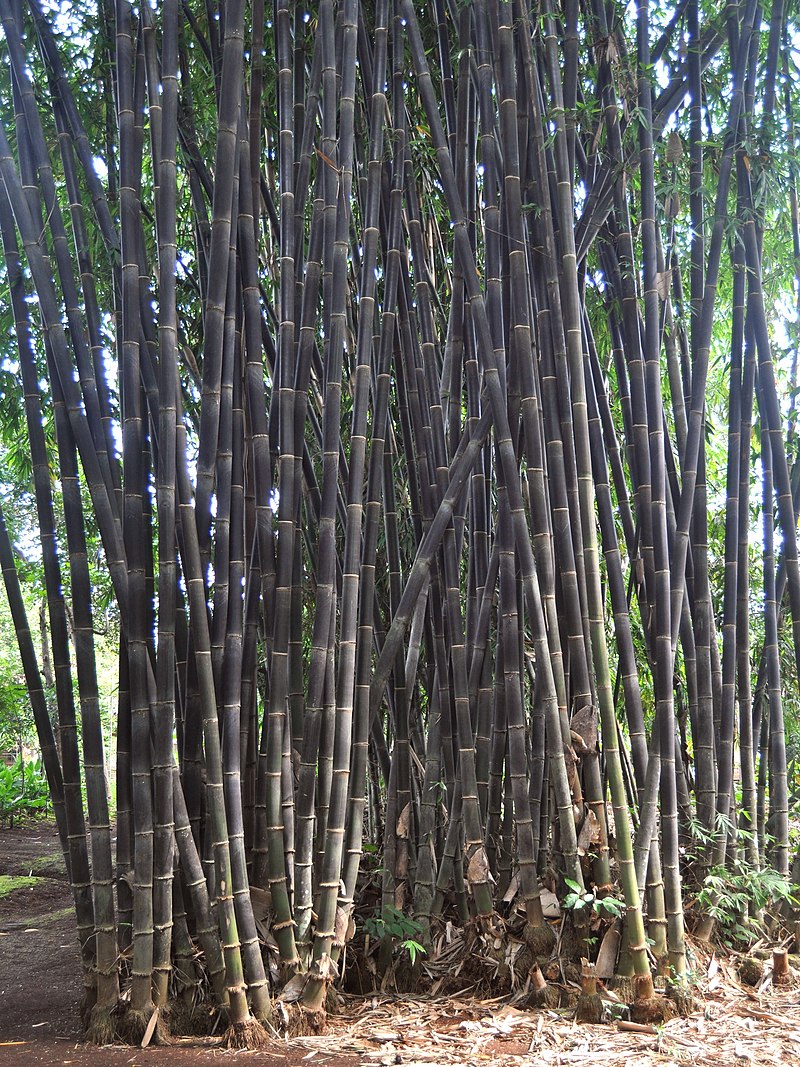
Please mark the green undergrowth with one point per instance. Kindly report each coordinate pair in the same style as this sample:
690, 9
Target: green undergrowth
23, 791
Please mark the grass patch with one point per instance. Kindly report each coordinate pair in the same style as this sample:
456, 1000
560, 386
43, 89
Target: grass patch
52, 864
11, 882
62, 913
52, 917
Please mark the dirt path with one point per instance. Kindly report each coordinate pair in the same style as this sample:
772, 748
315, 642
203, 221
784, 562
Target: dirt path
40, 979
40, 985
40, 973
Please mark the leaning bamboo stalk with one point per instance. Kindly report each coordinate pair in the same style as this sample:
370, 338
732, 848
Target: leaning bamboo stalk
80, 139
220, 550
101, 1025
41, 478
206, 928
480, 678
93, 315
78, 864
778, 799
409, 737
40, 160
33, 685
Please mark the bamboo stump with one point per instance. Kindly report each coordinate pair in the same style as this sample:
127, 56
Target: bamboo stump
540, 939
781, 975
540, 994
590, 1002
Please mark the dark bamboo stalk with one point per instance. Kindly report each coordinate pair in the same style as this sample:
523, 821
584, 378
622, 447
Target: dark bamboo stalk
663, 627
225, 172
33, 685
778, 823
163, 709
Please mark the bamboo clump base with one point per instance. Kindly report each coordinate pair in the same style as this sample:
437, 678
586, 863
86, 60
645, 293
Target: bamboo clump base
732, 1024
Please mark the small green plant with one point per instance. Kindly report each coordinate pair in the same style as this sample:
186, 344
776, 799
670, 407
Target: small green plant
401, 931
734, 898
578, 899
23, 790
703, 837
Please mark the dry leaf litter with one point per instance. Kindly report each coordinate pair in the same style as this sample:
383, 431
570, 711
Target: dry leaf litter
734, 1025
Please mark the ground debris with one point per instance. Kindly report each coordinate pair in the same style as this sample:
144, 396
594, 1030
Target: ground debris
735, 1025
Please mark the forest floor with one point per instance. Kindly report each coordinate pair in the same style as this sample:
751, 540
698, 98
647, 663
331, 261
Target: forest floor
40, 984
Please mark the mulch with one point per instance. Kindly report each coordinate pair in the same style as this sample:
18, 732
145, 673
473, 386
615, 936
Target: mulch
734, 1025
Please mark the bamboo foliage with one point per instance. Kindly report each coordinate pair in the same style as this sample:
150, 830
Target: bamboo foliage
373, 353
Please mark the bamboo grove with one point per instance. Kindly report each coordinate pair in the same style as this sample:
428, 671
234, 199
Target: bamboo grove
378, 344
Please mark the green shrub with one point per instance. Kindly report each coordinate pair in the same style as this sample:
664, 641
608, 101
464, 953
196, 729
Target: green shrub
23, 790
736, 899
